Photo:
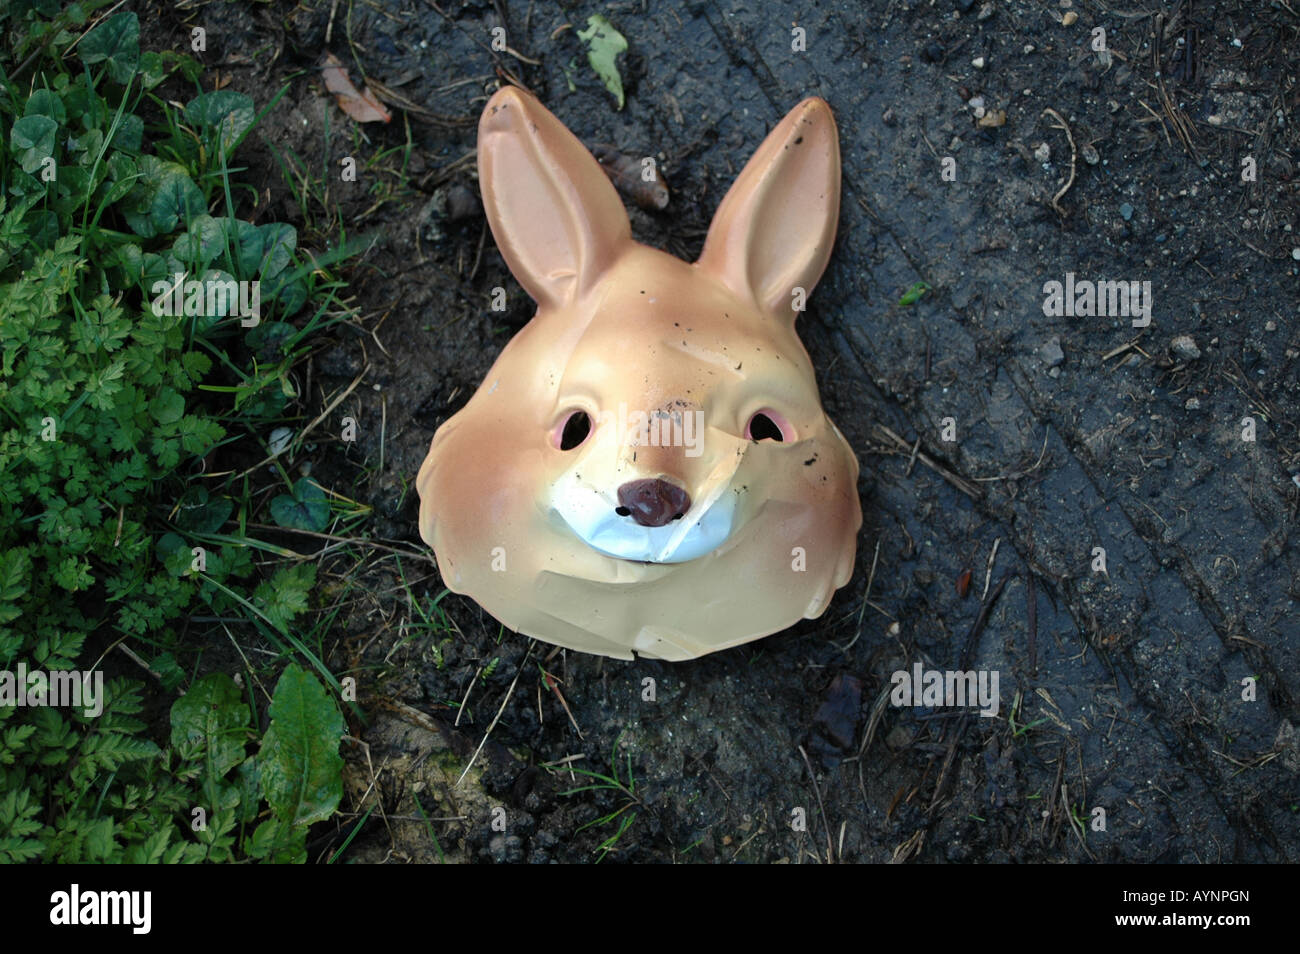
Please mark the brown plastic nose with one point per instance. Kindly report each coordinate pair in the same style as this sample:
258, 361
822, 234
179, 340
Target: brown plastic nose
652, 502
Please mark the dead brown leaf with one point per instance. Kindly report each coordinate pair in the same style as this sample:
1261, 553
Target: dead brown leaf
362, 105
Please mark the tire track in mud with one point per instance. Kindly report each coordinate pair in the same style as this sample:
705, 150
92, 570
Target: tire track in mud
1192, 730
1166, 725
1179, 730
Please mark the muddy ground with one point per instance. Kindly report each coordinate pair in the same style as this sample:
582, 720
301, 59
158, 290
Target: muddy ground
1123, 734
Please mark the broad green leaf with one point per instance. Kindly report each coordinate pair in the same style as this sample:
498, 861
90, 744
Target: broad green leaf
116, 41
130, 133
46, 102
229, 112
249, 783
32, 138
246, 246
44, 228
137, 205
88, 145
167, 407
200, 513
213, 713
300, 764
202, 242
306, 509
86, 107
604, 44
291, 296
177, 201
278, 242
174, 553
208, 109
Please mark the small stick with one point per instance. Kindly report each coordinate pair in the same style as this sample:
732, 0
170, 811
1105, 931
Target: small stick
830, 846
1032, 587
911, 461
970, 490
988, 570
496, 718
1074, 154
465, 701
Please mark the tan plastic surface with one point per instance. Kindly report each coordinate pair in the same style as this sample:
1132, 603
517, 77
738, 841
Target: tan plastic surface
634, 337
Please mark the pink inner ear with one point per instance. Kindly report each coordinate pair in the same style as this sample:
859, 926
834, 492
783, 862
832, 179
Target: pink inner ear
776, 417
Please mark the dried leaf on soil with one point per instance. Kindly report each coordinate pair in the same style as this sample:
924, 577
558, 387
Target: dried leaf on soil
362, 105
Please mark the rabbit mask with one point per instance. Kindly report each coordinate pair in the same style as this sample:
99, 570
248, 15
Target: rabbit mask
647, 466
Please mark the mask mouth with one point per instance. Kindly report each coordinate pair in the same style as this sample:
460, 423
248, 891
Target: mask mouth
590, 513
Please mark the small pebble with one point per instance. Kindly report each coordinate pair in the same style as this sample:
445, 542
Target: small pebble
1270, 325
1193, 404
1043, 153
1029, 48
978, 62
1090, 155
1051, 352
1184, 348
986, 11
888, 117
898, 738
1295, 253
1069, 18
1126, 211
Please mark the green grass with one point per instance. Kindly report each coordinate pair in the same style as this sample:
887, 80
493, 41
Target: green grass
140, 526
621, 819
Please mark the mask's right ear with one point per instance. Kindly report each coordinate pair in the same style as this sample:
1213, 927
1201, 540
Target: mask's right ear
554, 213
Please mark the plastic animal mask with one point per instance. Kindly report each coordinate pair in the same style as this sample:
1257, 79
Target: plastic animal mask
647, 467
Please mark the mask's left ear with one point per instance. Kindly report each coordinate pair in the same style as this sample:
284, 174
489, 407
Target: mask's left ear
774, 230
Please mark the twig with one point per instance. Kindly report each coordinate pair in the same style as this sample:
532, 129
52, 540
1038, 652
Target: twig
1032, 602
988, 570
961, 483
496, 718
1074, 155
468, 690
830, 846
866, 599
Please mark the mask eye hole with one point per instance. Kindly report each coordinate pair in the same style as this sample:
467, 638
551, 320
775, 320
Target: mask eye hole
572, 431
768, 425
